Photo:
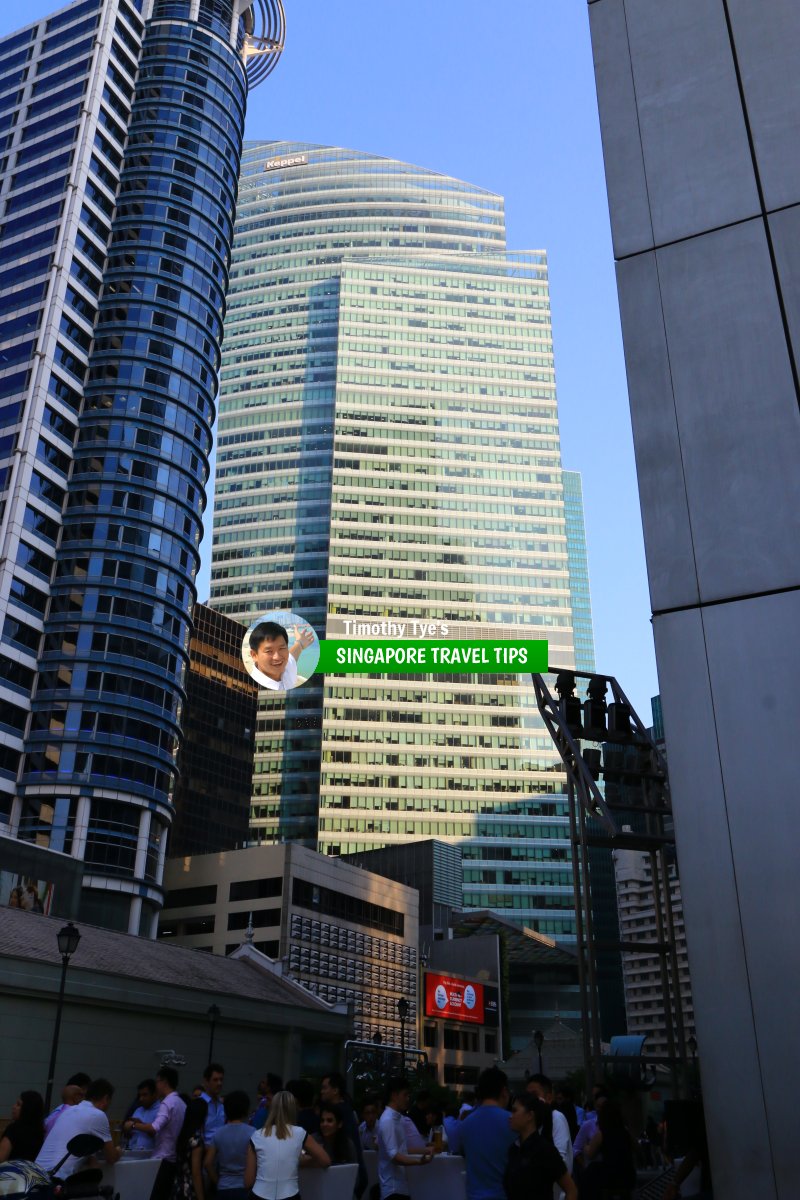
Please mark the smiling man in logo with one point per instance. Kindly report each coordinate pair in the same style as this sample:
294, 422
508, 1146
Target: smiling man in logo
274, 663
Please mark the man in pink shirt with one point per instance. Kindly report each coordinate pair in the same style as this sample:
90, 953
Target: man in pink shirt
165, 1127
74, 1091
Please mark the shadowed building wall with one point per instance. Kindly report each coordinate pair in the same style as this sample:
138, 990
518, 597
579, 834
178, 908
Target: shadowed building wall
212, 795
700, 116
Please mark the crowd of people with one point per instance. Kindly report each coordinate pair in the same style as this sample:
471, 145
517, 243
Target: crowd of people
536, 1145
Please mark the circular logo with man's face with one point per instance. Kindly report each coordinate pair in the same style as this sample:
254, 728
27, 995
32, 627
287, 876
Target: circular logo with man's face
441, 996
470, 999
280, 651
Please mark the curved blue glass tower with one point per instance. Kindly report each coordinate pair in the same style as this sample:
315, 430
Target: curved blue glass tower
100, 754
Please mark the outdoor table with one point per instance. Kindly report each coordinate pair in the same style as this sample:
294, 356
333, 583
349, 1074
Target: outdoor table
334, 1183
132, 1177
442, 1179
371, 1163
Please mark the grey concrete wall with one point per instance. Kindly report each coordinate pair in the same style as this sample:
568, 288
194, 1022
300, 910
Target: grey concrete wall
700, 115
113, 1027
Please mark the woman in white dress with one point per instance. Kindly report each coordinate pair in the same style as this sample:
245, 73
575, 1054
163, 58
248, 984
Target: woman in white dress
273, 1156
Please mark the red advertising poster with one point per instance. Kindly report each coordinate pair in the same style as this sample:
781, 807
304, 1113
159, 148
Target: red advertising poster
455, 999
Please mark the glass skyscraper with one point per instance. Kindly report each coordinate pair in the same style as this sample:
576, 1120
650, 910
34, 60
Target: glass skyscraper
389, 450
583, 631
121, 126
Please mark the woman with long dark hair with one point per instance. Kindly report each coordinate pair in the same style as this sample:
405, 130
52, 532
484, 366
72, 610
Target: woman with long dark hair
333, 1137
22, 1139
189, 1151
610, 1155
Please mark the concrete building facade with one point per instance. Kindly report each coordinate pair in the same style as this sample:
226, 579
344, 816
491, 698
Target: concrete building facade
349, 936
700, 116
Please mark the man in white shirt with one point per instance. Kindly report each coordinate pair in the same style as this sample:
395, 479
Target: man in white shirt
393, 1156
87, 1117
542, 1087
274, 665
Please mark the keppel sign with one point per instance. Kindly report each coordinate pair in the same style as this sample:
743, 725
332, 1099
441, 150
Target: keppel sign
292, 160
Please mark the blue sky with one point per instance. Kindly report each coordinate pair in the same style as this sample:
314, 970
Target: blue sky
501, 94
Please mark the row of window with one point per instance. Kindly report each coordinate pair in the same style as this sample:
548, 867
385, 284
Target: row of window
342, 907
337, 937
366, 1004
348, 970
125, 773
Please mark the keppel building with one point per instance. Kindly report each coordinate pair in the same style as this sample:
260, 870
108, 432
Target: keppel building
121, 126
389, 452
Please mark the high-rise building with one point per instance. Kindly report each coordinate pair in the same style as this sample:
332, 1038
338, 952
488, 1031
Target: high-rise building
578, 564
121, 124
389, 450
212, 795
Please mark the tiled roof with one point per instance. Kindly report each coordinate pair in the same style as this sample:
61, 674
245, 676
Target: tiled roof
31, 936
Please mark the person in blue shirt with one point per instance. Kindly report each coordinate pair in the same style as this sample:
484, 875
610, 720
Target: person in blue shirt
149, 1105
226, 1159
213, 1079
486, 1137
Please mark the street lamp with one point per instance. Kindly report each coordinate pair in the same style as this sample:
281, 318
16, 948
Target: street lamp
214, 1014
68, 938
402, 1012
538, 1039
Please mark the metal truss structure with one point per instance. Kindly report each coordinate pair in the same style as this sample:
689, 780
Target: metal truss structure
636, 795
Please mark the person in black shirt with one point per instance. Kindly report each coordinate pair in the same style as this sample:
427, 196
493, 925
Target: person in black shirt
333, 1090
610, 1155
418, 1112
534, 1164
22, 1139
303, 1093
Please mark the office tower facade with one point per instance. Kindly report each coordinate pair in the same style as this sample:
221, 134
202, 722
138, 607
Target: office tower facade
215, 765
699, 116
122, 124
578, 564
434, 869
389, 450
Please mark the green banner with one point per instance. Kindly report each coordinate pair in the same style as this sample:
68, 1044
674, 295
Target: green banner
502, 656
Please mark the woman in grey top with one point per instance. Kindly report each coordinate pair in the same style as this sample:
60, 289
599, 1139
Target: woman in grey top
226, 1156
